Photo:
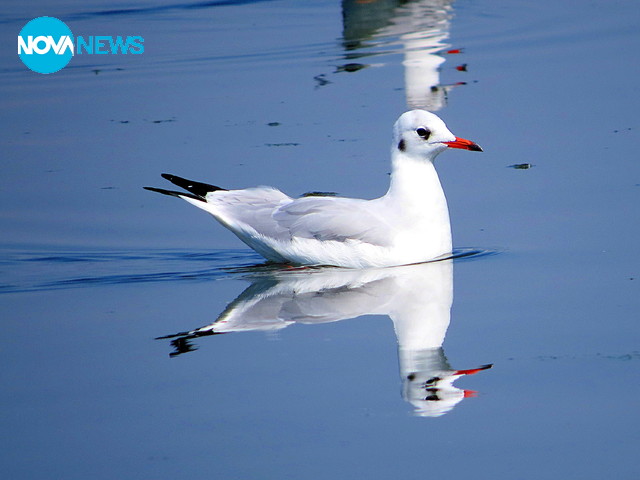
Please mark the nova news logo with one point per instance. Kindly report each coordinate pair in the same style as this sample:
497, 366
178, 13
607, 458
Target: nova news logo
46, 45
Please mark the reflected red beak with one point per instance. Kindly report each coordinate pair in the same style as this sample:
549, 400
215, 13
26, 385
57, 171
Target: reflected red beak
473, 370
464, 144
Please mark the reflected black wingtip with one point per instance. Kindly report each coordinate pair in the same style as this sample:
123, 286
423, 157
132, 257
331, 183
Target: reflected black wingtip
173, 193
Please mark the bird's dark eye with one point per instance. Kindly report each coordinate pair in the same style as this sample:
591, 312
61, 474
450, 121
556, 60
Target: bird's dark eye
423, 132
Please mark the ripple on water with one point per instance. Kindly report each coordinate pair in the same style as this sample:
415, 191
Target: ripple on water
32, 271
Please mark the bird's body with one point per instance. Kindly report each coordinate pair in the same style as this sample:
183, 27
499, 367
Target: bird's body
409, 224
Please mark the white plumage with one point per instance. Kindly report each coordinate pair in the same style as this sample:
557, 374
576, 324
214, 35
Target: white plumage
409, 224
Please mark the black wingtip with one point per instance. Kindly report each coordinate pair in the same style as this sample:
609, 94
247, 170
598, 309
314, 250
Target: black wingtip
196, 188
167, 176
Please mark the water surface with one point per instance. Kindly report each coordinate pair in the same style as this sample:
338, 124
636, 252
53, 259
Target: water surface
319, 373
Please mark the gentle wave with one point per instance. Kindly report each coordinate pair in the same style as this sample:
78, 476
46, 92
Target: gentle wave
340, 54
26, 271
35, 271
145, 11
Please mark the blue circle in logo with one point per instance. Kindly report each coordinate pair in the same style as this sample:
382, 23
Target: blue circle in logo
45, 45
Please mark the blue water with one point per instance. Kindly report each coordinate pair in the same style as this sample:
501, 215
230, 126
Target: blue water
142, 340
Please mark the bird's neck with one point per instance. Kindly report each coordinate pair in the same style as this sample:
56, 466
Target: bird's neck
415, 183
416, 197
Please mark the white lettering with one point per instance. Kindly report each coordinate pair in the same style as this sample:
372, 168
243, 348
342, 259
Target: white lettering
63, 44
39, 39
35, 45
23, 47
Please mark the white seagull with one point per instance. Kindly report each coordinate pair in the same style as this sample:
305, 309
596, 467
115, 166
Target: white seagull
407, 225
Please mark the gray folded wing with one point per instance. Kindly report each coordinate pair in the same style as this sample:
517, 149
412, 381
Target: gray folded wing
273, 214
331, 218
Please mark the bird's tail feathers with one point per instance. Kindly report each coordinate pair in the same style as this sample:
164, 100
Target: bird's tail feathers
197, 190
173, 193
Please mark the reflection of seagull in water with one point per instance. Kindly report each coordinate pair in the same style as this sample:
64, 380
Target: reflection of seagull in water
422, 26
409, 224
417, 298
429, 387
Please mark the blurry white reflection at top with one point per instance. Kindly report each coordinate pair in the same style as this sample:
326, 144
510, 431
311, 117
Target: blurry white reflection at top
421, 26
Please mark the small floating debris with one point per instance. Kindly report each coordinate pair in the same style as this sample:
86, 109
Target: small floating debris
350, 67
462, 68
319, 194
321, 80
455, 51
521, 166
168, 120
98, 71
285, 144
274, 124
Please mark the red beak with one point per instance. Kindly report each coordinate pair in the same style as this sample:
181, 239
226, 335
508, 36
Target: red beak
464, 144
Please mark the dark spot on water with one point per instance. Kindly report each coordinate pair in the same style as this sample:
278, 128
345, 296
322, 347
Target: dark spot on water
625, 357
274, 124
168, 120
285, 144
321, 80
351, 67
521, 166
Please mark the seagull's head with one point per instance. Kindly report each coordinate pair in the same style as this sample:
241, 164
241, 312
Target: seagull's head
422, 134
